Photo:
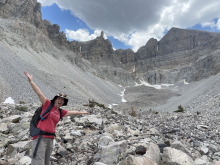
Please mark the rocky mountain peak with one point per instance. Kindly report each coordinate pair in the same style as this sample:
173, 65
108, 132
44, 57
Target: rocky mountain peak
26, 10
102, 34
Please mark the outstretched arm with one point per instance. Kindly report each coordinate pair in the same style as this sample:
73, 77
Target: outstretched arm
36, 89
69, 113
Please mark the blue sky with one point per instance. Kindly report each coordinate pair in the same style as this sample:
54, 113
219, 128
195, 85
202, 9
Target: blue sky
129, 23
66, 20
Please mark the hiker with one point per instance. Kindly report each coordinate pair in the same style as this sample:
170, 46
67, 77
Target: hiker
45, 145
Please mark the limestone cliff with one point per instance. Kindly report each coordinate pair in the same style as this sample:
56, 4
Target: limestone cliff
30, 31
101, 54
180, 54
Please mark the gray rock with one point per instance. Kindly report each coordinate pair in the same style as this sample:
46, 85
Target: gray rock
113, 153
153, 153
200, 162
105, 140
213, 148
18, 147
173, 156
99, 163
140, 150
4, 128
204, 150
62, 151
25, 160
136, 160
179, 146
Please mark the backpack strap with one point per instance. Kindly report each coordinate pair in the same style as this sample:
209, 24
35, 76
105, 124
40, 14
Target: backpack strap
37, 113
47, 110
39, 139
61, 118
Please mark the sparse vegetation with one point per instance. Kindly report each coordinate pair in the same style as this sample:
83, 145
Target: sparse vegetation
180, 109
92, 104
22, 108
101, 105
132, 113
21, 102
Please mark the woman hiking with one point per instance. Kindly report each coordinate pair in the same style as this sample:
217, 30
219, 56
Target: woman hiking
45, 146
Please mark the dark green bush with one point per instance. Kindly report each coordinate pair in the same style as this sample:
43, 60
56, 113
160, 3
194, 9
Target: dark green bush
101, 105
22, 108
180, 109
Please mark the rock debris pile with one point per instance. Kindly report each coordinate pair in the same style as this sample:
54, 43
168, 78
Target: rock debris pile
107, 137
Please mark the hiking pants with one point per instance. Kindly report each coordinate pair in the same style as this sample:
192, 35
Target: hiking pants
44, 151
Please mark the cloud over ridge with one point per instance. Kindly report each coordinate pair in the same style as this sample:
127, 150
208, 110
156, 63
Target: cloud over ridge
135, 22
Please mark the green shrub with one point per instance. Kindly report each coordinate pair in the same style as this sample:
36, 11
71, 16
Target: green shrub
22, 108
156, 112
198, 113
92, 104
101, 105
180, 109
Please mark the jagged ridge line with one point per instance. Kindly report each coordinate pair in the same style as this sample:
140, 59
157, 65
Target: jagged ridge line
18, 9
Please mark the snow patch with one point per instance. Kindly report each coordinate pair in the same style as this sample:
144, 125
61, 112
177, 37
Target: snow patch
185, 82
134, 69
149, 85
122, 95
9, 100
167, 85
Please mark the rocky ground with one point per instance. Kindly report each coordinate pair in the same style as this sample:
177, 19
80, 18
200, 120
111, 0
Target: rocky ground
107, 137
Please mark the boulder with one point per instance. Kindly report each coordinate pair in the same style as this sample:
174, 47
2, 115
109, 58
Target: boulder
204, 150
179, 146
19, 147
4, 128
153, 153
113, 153
24, 161
140, 150
111, 128
172, 156
105, 140
136, 160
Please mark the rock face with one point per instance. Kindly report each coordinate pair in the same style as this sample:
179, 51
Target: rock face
127, 58
26, 10
100, 53
180, 54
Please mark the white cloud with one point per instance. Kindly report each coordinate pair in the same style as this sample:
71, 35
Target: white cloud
135, 22
209, 24
82, 34
212, 25
218, 24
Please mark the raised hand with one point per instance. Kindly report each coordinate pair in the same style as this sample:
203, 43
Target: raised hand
85, 112
28, 76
